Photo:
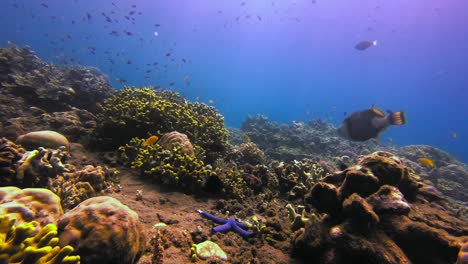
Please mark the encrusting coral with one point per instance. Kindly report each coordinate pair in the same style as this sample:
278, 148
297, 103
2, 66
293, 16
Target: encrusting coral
135, 112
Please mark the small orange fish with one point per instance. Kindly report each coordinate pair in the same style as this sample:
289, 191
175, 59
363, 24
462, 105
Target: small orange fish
247, 138
427, 162
150, 140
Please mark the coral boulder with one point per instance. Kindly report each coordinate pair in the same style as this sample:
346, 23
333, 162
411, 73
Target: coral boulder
103, 230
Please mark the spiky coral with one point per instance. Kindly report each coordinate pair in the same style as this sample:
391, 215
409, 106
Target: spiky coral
30, 243
136, 112
171, 167
175, 168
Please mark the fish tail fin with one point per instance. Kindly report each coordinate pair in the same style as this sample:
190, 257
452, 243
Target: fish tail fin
397, 118
374, 42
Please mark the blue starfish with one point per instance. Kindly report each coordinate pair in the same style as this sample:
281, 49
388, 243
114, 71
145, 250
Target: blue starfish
227, 224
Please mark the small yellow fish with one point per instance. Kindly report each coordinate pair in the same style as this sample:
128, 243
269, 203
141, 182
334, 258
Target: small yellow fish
427, 162
150, 140
247, 138
205, 119
210, 101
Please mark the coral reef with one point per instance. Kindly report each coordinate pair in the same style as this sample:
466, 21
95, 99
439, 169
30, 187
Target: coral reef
302, 140
174, 139
452, 181
28, 233
43, 85
39, 83
10, 154
103, 230
77, 124
139, 112
31, 243
90, 86
296, 177
45, 139
36, 167
378, 211
40, 205
79, 185
50, 168
172, 167
298, 220
246, 153
414, 152
231, 182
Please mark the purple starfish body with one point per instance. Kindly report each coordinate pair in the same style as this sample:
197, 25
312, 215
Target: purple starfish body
227, 224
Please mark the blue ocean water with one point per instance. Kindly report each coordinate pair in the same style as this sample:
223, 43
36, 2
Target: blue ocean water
287, 60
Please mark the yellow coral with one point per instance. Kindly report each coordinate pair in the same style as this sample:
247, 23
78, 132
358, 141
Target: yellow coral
170, 167
151, 110
30, 243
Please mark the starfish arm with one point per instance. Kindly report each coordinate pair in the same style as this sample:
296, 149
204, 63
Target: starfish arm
242, 225
223, 228
241, 231
212, 217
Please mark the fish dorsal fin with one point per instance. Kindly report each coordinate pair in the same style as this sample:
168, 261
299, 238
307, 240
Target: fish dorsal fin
377, 111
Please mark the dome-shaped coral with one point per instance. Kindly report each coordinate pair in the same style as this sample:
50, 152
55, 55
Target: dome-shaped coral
103, 230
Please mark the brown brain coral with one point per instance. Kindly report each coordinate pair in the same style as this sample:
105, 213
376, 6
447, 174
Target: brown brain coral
103, 230
175, 139
26, 205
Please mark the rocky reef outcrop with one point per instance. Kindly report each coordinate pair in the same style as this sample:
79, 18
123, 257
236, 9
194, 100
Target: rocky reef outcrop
300, 140
41, 84
378, 211
36, 95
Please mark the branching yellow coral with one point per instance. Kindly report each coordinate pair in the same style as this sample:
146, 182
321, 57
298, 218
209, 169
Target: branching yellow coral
135, 112
171, 167
30, 243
